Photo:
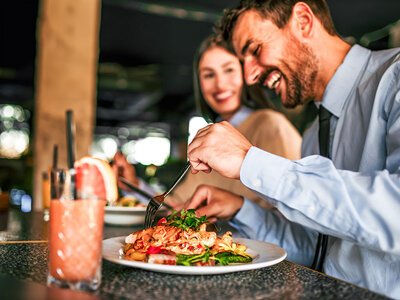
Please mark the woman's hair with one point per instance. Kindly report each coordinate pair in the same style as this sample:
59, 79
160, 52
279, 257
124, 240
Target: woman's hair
253, 97
277, 11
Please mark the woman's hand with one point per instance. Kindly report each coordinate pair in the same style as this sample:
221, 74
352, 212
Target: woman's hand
123, 168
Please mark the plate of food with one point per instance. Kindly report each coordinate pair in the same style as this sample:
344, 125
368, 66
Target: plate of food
180, 244
127, 211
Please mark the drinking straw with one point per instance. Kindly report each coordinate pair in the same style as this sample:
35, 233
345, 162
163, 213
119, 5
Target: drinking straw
71, 148
70, 139
55, 156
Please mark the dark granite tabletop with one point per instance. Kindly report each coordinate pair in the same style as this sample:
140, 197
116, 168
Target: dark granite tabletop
23, 270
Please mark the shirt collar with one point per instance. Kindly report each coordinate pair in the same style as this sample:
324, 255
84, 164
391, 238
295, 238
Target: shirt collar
238, 116
340, 86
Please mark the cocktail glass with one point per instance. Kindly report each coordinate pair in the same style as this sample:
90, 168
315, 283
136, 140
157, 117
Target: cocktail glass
76, 234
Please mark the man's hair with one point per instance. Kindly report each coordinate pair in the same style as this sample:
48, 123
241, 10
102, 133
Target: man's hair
277, 11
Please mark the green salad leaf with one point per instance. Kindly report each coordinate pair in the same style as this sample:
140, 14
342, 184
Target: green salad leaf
186, 219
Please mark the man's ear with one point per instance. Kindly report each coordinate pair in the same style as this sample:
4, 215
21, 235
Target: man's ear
303, 19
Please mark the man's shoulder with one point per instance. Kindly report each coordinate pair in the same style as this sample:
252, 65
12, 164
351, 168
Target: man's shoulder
382, 71
388, 53
384, 59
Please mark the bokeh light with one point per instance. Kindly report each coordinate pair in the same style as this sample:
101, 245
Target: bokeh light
152, 150
14, 131
26, 203
195, 123
104, 147
147, 146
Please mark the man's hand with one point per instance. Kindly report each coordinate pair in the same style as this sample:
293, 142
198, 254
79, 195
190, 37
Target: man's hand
123, 168
214, 202
220, 147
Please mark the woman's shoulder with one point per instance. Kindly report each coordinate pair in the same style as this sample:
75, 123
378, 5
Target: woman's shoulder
270, 130
268, 122
268, 115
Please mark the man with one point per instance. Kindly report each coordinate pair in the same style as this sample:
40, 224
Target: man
354, 197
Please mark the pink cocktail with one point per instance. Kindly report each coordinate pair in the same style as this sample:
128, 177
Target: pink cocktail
75, 242
76, 232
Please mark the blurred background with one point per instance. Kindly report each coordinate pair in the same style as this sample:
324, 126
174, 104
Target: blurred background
144, 99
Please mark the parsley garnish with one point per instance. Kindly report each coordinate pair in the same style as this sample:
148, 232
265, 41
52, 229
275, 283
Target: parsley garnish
186, 219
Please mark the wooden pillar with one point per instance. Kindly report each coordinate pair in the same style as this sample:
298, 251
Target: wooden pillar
66, 78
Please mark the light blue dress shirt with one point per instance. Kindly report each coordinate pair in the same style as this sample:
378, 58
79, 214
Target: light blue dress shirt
355, 197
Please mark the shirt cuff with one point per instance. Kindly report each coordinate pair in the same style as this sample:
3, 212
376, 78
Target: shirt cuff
262, 171
249, 214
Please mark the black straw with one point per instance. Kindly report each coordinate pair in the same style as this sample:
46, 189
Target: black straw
70, 139
55, 156
71, 152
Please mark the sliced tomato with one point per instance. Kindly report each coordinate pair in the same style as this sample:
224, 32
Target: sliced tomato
162, 221
154, 250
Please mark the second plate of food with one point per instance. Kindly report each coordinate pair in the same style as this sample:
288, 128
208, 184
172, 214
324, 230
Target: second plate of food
128, 211
126, 216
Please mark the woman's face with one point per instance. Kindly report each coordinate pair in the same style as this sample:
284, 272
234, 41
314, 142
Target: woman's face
221, 81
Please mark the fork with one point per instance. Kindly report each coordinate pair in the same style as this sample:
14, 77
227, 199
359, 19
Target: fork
157, 201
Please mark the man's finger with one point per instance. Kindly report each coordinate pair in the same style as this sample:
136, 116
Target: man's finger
203, 130
199, 166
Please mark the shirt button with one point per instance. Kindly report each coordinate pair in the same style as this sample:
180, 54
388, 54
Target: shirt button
257, 183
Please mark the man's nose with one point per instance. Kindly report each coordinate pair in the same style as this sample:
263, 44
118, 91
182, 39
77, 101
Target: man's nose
252, 71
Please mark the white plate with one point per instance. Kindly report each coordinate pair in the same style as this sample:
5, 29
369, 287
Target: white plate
264, 255
125, 216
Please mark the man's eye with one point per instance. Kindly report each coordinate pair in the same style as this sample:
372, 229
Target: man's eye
256, 50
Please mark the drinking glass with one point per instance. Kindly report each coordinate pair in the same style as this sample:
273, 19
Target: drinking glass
76, 234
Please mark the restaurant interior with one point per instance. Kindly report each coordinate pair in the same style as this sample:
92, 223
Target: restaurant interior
131, 91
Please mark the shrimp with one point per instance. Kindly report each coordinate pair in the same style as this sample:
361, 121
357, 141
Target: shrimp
224, 243
140, 239
202, 237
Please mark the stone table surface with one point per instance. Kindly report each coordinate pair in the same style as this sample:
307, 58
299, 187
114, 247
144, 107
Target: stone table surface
23, 266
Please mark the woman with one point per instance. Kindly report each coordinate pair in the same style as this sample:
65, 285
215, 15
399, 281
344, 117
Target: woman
221, 95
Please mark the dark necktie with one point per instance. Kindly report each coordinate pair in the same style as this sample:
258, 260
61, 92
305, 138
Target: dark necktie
323, 137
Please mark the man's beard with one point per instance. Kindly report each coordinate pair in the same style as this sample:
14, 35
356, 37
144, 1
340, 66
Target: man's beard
300, 78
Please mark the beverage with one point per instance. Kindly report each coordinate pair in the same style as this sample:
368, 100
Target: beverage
45, 190
75, 241
76, 224
45, 195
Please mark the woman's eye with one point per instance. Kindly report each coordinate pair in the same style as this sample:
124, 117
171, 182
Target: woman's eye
208, 75
229, 70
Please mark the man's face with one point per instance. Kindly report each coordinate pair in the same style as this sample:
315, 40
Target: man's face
275, 58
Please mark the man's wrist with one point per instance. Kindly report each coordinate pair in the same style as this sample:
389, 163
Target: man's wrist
241, 201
